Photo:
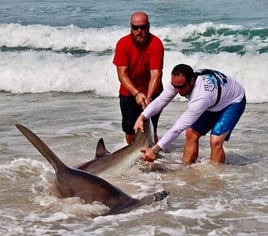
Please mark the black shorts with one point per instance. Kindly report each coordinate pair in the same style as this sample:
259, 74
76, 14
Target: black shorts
130, 111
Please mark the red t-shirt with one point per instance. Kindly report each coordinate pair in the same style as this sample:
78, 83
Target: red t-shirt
139, 60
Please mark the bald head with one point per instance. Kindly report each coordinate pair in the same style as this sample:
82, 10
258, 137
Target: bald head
139, 18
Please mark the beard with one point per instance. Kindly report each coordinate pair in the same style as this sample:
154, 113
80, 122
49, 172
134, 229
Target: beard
140, 39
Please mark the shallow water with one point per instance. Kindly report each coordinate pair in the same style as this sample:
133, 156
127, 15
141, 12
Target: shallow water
205, 199
68, 46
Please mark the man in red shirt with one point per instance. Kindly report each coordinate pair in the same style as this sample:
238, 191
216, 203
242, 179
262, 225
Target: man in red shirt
139, 61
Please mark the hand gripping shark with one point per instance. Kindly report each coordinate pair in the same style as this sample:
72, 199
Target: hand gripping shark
118, 162
72, 182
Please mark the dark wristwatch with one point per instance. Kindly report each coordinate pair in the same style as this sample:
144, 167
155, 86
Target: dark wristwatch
155, 151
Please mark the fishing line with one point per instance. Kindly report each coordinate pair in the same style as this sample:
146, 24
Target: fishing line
169, 161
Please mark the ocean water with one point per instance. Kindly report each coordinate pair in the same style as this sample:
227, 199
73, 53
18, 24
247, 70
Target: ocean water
57, 78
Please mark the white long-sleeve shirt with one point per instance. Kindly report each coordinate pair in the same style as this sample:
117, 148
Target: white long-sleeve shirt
202, 98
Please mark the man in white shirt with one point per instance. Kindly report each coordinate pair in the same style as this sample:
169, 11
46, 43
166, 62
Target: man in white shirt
215, 102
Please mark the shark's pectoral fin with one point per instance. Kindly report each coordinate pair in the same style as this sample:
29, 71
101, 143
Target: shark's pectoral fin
153, 198
101, 149
135, 203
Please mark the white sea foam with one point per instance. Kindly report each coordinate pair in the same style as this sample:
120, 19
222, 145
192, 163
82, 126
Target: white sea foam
36, 72
58, 38
71, 59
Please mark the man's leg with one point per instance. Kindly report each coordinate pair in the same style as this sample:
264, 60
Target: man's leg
223, 128
217, 153
190, 152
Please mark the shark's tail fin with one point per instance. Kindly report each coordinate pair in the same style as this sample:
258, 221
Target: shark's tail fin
52, 158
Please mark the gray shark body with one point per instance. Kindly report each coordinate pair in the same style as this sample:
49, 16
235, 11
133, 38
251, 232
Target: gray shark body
73, 182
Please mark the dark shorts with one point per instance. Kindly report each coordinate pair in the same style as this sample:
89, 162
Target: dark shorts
220, 122
130, 111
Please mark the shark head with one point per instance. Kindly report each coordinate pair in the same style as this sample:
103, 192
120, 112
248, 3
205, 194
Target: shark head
119, 161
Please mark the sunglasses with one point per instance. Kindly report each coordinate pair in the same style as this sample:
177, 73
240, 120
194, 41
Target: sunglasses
141, 27
179, 86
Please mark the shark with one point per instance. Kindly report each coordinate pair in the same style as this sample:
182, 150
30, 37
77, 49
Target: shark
118, 162
76, 182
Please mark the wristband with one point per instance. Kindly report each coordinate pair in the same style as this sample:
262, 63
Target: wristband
136, 94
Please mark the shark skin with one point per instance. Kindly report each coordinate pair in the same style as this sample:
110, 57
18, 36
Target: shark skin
118, 162
72, 182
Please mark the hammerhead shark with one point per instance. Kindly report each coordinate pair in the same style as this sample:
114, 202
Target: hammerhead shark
74, 182
118, 162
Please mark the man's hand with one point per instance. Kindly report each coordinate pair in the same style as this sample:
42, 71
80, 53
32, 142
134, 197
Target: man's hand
139, 124
141, 100
148, 101
149, 155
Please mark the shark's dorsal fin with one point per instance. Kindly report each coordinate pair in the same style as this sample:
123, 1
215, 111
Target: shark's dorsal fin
101, 149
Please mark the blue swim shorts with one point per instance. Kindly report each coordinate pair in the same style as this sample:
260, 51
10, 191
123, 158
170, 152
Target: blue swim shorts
220, 122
